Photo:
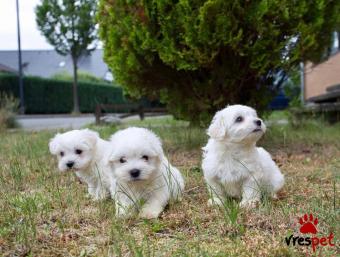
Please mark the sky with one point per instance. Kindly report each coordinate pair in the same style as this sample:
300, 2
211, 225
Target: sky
30, 35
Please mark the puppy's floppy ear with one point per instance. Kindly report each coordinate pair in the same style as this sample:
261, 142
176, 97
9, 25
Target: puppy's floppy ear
157, 147
110, 159
110, 156
54, 144
90, 137
156, 143
217, 128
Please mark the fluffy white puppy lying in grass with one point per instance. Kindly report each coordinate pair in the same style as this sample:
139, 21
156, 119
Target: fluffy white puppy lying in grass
146, 181
84, 152
232, 164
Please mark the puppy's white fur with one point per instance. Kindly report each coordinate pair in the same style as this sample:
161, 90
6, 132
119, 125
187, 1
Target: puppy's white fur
146, 181
232, 164
88, 153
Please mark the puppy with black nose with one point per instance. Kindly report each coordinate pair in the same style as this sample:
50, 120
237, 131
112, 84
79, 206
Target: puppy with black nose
84, 152
232, 164
143, 179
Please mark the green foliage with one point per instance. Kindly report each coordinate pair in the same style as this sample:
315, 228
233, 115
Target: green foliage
69, 25
201, 55
292, 87
82, 76
55, 96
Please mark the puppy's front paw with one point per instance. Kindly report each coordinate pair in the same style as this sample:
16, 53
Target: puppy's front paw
215, 201
122, 213
274, 196
100, 195
150, 213
249, 203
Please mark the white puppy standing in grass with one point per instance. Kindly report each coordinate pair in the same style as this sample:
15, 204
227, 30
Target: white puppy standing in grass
84, 152
146, 181
232, 164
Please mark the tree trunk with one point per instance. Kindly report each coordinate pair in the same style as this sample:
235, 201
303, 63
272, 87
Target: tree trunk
75, 86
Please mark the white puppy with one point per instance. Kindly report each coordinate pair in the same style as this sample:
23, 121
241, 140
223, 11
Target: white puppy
146, 181
232, 164
84, 152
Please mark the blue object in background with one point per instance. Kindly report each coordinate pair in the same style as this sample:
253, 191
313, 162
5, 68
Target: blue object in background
280, 102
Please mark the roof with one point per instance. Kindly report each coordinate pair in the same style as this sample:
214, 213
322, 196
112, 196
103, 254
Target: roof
7, 69
46, 63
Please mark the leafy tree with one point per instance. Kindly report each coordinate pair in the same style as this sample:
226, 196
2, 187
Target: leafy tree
292, 87
200, 55
69, 25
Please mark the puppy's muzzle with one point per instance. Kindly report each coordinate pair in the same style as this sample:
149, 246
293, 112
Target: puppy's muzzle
70, 164
258, 123
135, 173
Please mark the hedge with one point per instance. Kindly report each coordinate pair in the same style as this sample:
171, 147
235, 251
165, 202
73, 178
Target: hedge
54, 96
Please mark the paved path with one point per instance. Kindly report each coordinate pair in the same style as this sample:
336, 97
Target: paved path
44, 122
54, 122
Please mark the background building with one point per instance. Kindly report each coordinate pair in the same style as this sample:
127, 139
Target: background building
46, 63
318, 77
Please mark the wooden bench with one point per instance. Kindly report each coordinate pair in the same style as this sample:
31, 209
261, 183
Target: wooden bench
126, 110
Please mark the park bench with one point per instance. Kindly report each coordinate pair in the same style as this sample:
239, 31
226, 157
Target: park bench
126, 110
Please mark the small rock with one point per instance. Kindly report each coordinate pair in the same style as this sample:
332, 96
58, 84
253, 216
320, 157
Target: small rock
111, 119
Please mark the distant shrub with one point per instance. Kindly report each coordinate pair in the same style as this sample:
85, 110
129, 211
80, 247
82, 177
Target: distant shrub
44, 96
8, 108
83, 76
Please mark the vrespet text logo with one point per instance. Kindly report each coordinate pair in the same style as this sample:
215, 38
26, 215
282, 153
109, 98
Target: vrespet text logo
308, 225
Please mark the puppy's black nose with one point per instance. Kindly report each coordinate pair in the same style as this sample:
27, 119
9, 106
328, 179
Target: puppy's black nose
258, 122
70, 164
134, 173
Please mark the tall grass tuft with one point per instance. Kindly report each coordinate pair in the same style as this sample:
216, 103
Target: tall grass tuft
172, 184
8, 108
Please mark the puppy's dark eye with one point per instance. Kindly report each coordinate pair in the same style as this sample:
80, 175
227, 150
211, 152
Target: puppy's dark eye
78, 151
145, 157
239, 119
122, 160
61, 154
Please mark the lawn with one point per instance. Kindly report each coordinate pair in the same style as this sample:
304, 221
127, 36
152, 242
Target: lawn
44, 213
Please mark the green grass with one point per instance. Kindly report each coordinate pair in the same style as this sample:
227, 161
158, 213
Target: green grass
44, 213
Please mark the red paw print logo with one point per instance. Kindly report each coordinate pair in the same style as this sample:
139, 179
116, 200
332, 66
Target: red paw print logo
308, 224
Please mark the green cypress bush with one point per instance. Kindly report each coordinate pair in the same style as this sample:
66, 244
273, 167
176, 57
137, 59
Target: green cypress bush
201, 55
